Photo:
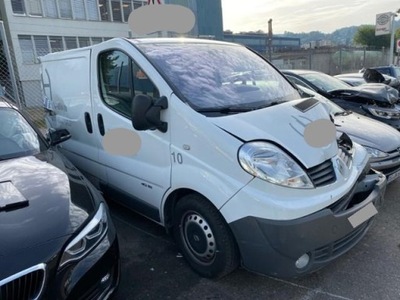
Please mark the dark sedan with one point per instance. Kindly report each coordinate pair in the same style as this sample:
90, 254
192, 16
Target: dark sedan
57, 237
373, 100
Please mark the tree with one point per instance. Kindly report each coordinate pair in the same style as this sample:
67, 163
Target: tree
365, 36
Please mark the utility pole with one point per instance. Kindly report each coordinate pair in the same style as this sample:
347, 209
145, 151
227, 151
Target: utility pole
270, 40
393, 16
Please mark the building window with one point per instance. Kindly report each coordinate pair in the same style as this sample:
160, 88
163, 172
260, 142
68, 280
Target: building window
18, 6
104, 10
127, 9
137, 4
96, 40
92, 10
65, 9
79, 10
116, 10
56, 43
70, 42
84, 41
50, 8
41, 45
27, 52
34, 8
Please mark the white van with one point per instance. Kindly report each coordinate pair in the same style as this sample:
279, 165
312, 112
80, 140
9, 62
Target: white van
208, 139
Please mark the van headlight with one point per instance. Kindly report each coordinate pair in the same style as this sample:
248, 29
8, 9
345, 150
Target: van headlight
89, 237
266, 161
375, 153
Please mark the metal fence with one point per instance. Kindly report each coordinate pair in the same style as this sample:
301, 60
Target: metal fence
21, 82
332, 61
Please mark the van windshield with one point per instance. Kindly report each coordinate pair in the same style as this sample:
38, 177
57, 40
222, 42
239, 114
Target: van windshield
219, 77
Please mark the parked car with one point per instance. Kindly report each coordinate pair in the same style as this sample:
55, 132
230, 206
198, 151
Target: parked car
356, 79
381, 141
57, 237
207, 138
374, 100
392, 70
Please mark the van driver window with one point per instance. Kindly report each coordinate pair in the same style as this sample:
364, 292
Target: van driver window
121, 79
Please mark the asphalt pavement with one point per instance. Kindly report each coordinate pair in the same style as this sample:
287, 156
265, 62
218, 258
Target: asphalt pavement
152, 267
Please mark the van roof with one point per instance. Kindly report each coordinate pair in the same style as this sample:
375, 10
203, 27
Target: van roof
137, 41
176, 40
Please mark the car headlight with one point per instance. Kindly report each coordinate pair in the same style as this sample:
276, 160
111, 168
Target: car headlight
384, 113
266, 161
375, 153
88, 238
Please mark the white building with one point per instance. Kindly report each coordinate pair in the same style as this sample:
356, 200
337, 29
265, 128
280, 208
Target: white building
31, 28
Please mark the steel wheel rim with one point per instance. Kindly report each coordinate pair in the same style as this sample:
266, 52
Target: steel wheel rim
198, 238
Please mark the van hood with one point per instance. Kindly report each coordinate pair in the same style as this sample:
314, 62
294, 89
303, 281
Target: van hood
283, 124
368, 132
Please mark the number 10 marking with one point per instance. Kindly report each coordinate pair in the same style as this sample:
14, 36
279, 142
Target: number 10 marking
177, 157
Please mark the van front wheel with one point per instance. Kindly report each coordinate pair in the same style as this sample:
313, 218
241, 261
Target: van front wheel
204, 237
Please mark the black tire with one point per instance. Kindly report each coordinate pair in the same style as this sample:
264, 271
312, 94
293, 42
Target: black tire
204, 237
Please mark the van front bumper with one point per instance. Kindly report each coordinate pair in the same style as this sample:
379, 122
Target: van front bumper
273, 247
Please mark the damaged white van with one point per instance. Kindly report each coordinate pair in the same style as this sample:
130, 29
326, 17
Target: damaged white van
209, 140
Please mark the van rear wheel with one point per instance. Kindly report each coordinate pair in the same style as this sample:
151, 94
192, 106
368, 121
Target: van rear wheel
204, 237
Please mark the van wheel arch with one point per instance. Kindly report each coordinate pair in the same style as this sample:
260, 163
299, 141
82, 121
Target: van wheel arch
202, 234
170, 204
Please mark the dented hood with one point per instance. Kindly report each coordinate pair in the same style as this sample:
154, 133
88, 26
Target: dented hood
375, 91
368, 132
283, 124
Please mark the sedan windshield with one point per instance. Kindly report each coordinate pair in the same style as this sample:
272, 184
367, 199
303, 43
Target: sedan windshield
219, 77
17, 137
326, 82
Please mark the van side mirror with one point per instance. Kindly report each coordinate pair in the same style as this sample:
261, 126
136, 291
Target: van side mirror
58, 136
146, 113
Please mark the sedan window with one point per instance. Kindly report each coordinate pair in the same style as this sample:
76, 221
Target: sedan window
325, 82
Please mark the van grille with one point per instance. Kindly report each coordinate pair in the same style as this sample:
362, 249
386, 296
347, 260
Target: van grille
345, 156
322, 174
25, 285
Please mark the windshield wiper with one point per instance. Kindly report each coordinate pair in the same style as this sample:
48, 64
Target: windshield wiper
229, 109
14, 205
343, 113
225, 110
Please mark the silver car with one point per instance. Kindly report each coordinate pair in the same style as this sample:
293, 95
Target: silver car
381, 141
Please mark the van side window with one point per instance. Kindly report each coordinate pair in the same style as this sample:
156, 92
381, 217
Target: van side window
121, 79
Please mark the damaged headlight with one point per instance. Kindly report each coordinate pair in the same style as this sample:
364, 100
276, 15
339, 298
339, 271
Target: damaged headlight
266, 161
386, 114
375, 153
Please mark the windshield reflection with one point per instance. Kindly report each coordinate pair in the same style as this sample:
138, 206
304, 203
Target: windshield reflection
212, 77
17, 137
326, 82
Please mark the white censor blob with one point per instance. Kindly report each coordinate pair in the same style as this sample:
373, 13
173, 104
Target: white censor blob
120, 141
168, 17
320, 133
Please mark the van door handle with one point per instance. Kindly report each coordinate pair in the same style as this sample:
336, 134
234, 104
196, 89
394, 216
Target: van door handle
100, 123
88, 122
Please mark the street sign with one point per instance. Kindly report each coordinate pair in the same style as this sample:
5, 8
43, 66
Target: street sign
383, 23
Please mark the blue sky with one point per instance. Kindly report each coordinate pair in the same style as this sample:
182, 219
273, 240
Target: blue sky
302, 15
